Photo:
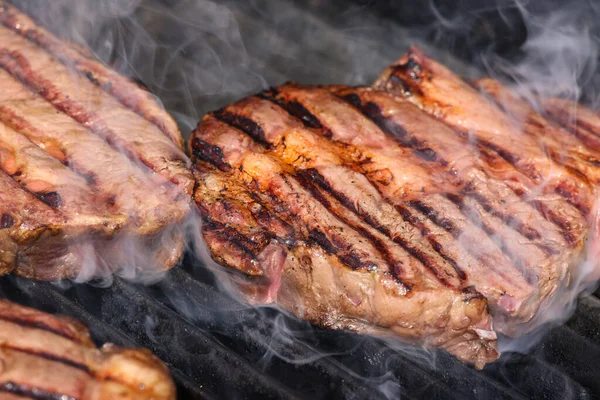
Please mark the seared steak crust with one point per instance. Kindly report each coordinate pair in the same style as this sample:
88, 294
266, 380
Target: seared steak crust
52, 357
373, 208
92, 158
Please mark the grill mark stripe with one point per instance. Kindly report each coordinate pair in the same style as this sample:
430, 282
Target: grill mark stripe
233, 236
32, 393
588, 137
246, 125
293, 108
7, 21
408, 217
210, 153
38, 325
32, 195
394, 265
536, 121
514, 223
400, 135
527, 170
415, 252
351, 259
20, 125
18, 67
50, 199
433, 215
51, 357
515, 258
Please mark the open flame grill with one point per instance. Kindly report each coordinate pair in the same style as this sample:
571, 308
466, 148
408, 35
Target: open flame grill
239, 352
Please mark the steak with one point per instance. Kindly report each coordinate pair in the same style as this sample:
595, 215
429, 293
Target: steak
91, 166
51, 357
419, 207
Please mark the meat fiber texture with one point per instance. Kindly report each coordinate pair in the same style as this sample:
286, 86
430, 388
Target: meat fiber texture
52, 357
93, 175
414, 208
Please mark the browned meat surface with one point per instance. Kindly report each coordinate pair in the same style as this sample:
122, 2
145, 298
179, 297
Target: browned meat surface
382, 209
45, 356
86, 156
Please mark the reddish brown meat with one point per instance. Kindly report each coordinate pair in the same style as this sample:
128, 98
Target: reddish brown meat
91, 156
41, 354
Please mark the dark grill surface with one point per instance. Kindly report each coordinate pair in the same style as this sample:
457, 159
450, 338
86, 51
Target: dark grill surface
204, 56
238, 352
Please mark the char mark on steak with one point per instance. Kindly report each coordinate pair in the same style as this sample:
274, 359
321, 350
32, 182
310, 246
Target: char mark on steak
45, 356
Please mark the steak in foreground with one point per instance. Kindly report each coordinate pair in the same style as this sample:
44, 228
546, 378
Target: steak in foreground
374, 210
91, 166
53, 357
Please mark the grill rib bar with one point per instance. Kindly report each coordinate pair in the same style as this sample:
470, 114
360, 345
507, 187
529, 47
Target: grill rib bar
126, 92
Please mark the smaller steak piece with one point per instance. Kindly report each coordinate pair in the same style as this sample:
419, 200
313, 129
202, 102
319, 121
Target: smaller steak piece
54, 356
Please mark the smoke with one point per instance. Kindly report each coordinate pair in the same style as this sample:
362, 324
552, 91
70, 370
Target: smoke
197, 56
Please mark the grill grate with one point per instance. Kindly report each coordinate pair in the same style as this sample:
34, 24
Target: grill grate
238, 353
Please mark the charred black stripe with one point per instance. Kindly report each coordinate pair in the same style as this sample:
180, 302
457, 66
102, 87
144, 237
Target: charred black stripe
564, 224
210, 153
37, 325
587, 137
319, 179
419, 255
349, 258
572, 198
32, 393
514, 258
387, 125
52, 199
436, 218
394, 265
234, 237
527, 231
514, 223
293, 108
411, 219
51, 357
244, 124
48, 199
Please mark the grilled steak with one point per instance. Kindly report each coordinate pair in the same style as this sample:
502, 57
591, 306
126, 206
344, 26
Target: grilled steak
86, 157
417, 207
51, 357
